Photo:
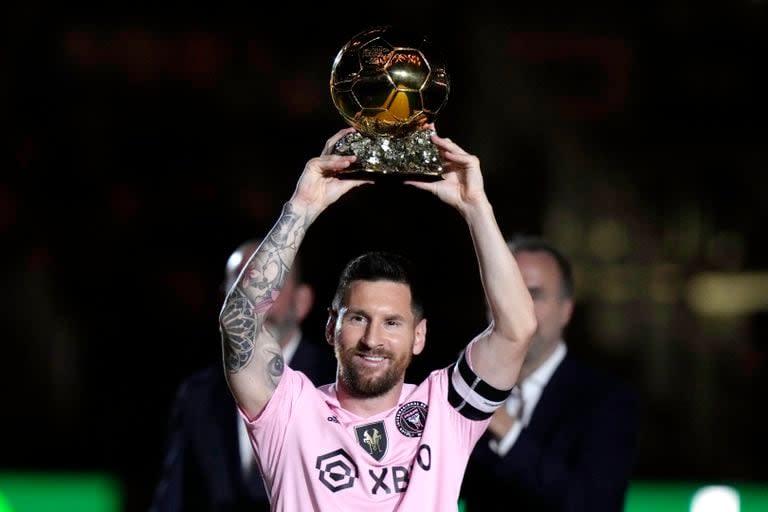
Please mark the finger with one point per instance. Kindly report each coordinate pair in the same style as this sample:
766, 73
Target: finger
341, 162
332, 163
331, 143
342, 186
446, 144
463, 159
422, 185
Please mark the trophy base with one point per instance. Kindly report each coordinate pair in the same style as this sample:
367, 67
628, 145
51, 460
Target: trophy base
386, 176
388, 158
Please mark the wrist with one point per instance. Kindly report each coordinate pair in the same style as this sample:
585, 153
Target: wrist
477, 208
301, 209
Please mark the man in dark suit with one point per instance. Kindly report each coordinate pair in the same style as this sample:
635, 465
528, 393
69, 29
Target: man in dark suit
566, 439
209, 464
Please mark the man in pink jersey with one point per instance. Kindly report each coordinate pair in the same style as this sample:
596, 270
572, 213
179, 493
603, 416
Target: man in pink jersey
370, 441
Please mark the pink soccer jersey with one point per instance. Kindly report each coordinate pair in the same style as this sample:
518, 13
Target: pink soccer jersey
315, 456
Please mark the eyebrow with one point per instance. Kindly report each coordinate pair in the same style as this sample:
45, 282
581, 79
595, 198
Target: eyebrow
391, 316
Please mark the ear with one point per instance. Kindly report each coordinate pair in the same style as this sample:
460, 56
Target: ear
566, 311
420, 336
303, 300
330, 326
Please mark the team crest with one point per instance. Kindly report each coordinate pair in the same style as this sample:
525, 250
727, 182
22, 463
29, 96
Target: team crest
373, 438
410, 419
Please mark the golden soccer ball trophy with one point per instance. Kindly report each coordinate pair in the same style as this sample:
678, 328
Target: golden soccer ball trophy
389, 85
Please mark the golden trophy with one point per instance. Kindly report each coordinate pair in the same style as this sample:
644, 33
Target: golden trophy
389, 85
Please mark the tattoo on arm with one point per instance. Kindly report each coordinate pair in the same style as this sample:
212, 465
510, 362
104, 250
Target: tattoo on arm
267, 271
239, 323
239, 346
289, 230
275, 366
243, 314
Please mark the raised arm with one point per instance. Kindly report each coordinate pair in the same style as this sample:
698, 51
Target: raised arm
253, 361
499, 351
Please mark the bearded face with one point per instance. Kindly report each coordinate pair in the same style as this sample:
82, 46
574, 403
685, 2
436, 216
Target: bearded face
375, 336
369, 373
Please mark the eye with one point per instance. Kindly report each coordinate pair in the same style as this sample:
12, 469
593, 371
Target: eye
394, 323
356, 319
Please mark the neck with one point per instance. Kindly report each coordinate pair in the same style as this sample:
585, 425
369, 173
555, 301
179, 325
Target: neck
531, 366
287, 337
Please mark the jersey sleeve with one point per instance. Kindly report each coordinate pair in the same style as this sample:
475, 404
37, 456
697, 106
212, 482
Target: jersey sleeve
267, 430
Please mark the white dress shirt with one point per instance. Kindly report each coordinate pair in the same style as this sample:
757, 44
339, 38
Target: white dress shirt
531, 389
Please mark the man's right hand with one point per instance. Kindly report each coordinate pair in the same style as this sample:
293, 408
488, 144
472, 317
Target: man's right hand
318, 187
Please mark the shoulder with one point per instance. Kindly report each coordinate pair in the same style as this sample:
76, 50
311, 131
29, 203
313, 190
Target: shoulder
593, 380
295, 392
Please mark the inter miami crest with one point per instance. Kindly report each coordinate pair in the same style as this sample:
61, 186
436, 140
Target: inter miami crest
410, 419
373, 438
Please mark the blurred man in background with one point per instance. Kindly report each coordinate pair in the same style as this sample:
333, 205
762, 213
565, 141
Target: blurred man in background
566, 439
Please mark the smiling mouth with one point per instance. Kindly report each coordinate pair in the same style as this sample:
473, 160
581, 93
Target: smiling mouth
372, 359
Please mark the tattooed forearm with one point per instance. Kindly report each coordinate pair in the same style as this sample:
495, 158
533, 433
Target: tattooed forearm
238, 322
267, 271
244, 310
289, 230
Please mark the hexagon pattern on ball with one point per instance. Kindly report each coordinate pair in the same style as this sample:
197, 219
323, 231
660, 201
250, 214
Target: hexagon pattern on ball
389, 85
386, 81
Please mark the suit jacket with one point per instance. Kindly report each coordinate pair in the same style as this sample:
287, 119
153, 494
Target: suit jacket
576, 454
202, 466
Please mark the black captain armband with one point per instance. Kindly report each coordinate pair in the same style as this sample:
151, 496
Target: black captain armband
470, 395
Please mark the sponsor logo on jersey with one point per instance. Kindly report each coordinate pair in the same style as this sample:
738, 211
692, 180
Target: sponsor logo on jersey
410, 419
337, 470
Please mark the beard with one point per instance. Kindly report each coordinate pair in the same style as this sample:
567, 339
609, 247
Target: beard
362, 382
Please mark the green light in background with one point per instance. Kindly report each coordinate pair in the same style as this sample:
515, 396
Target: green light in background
672, 496
56, 492
4, 505
659, 497
683, 496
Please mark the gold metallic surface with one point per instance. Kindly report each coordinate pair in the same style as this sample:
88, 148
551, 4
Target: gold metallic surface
389, 85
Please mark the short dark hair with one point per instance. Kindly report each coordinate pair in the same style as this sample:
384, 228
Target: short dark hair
530, 243
381, 266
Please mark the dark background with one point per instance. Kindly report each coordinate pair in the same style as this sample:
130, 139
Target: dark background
145, 143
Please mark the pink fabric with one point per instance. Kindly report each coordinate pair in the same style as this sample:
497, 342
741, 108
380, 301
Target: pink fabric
410, 458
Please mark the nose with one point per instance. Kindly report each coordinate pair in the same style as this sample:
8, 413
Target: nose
372, 337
